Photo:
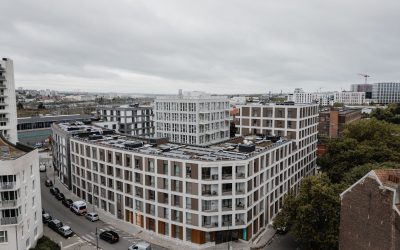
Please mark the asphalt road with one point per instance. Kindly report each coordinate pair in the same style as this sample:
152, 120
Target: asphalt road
80, 225
282, 242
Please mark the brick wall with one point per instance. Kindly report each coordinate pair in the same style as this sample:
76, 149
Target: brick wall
367, 218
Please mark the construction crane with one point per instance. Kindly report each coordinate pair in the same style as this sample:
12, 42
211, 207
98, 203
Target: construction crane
365, 76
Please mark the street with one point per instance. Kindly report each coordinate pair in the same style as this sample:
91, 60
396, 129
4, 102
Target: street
79, 224
282, 242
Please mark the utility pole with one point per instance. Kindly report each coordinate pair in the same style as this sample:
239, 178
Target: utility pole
97, 240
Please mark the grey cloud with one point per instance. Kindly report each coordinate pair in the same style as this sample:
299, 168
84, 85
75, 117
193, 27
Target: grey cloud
217, 46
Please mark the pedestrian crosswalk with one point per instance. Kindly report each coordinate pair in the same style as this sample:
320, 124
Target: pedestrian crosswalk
91, 237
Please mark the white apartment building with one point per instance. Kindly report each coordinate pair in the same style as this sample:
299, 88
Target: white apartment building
8, 106
20, 201
386, 92
195, 195
195, 118
327, 98
61, 134
132, 119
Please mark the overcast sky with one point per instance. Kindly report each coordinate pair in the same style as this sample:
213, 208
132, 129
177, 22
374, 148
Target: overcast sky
218, 46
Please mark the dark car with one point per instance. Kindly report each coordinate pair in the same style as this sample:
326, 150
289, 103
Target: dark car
65, 231
60, 196
55, 224
48, 183
67, 202
109, 236
54, 190
46, 218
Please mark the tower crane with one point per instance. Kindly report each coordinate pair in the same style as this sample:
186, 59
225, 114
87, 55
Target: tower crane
365, 76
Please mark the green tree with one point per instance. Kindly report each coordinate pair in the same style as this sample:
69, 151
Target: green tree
20, 106
358, 172
313, 215
365, 141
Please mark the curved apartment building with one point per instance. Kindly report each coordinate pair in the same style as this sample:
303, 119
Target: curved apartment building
197, 195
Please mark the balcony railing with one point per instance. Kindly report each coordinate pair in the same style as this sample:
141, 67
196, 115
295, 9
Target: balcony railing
10, 220
240, 175
210, 193
7, 185
239, 222
226, 223
210, 225
9, 203
239, 206
2, 86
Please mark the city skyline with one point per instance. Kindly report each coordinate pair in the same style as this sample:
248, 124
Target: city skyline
225, 47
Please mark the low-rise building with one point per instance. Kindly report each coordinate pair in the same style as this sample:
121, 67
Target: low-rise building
333, 122
37, 129
370, 212
20, 204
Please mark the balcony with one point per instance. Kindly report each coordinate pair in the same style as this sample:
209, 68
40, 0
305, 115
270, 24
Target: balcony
240, 175
2, 86
239, 222
9, 203
210, 224
8, 185
10, 220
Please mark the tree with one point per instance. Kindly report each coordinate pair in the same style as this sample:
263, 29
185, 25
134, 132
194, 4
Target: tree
20, 106
41, 106
358, 172
365, 141
338, 104
313, 215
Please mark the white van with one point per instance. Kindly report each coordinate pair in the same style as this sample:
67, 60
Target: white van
79, 207
140, 246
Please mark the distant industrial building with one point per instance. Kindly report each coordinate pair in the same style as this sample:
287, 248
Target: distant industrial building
370, 212
132, 119
37, 129
8, 106
332, 122
386, 92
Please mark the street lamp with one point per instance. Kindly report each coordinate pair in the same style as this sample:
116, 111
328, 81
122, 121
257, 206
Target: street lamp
97, 240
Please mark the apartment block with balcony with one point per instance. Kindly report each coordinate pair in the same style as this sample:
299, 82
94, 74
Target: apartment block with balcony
20, 201
130, 119
195, 195
194, 118
8, 106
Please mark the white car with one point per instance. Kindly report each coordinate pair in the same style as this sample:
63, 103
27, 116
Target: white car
92, 216
140, 246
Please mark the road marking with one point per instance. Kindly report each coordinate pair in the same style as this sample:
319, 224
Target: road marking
86, 238
71, 245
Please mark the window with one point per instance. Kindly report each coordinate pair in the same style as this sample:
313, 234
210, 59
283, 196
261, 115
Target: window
35, 231
27, 243
33, 184
3, 237
35, 216
31, 170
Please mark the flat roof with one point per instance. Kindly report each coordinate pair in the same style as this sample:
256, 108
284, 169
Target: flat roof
228, 150
9, 151
53, 118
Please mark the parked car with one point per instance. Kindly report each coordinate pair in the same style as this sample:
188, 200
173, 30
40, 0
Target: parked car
143, 245
92, 216
79, 207
42, 168
109, 236
67, 202
55, 224
48, 183
46, 218
65, 231
54, 190
60, 196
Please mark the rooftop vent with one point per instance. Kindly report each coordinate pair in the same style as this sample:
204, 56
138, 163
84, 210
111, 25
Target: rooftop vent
247, 148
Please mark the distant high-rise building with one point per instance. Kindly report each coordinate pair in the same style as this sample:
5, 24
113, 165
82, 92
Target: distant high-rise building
386, 92
194, 118
365, 87
8, 107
